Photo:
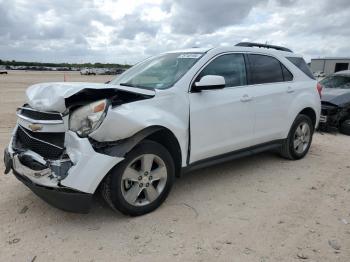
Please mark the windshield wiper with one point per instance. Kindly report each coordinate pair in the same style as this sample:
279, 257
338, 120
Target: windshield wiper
127, 84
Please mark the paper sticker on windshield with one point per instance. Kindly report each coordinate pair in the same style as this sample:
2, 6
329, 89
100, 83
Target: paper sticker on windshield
195, 56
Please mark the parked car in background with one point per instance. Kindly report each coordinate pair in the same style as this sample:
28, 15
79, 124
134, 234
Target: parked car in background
172, 113
101, 71
336, 102
319, 74
87, 71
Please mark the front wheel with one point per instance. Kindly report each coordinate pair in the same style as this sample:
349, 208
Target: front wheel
299, 138
345, 127
142, 181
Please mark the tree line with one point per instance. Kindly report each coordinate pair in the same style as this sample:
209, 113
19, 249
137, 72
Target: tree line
69, 65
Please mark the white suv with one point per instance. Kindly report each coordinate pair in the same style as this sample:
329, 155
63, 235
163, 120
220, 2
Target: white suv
169, 114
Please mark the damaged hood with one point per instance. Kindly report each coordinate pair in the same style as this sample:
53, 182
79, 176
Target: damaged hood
336, 96
52, 96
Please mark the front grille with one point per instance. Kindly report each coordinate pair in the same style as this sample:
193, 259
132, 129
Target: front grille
326, 111
48, 145
38, 115
31, 163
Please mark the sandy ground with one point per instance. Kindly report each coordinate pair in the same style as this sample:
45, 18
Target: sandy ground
261, 208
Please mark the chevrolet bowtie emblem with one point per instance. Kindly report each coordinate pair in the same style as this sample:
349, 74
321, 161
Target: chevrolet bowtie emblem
35, 127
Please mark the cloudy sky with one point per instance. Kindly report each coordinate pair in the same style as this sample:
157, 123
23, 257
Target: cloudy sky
126, 31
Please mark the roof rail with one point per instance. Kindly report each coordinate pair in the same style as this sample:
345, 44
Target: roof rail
249, 44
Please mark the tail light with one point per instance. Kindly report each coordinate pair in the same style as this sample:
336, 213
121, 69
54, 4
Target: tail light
319, 89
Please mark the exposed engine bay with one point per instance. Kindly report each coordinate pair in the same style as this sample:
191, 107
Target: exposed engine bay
58, 97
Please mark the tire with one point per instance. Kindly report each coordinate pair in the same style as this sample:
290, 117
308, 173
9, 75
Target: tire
131, 180
288, 149
345, 127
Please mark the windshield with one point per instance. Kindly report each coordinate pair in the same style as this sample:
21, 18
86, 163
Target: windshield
159, 72
336, 82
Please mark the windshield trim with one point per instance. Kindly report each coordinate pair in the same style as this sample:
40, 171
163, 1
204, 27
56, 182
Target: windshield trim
135, 86
159, 55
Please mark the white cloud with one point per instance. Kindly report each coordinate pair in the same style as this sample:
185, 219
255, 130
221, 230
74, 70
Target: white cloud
130, 30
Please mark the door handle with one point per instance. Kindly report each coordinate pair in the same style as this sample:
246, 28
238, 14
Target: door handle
290, 89
246, 98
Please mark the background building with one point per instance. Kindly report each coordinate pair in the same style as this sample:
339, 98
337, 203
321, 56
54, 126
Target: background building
330, 65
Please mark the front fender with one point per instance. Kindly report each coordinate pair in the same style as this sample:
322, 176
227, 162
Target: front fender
121, 147
126, 120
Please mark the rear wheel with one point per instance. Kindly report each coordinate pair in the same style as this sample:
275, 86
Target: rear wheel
140, 183
299, 138
345, 127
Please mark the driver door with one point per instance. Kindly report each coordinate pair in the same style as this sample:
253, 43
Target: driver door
221, 120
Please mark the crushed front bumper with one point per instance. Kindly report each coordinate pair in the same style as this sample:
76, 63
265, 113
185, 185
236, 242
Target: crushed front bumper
67, 184
331, 116
63, 198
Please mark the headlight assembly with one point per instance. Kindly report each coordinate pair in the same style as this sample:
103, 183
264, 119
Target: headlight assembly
88, 118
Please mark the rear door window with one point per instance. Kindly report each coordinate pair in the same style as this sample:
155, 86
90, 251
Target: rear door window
264, 69
300, 63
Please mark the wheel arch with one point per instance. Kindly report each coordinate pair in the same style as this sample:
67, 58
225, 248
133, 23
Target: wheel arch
308, 111
167, 139
159, 134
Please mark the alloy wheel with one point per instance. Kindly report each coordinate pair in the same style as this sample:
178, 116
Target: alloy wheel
302, 137
144, 180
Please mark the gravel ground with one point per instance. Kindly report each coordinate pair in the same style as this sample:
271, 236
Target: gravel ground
260, 208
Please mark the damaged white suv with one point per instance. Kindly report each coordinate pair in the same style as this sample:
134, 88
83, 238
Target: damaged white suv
169, 114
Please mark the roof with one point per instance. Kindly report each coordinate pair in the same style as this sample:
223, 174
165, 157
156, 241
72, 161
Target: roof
331, 58
345, 72
260, 45
190, 50
236, 49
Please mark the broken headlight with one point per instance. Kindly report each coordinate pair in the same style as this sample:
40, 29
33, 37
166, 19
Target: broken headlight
88, 118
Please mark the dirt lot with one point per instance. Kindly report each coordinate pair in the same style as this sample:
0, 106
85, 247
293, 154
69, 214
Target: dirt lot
261, 208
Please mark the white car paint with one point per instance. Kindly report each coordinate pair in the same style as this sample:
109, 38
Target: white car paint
220, 122
89, 167
127, 119
51, 96
205, 124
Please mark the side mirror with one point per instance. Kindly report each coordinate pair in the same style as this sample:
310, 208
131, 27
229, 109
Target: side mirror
209, 82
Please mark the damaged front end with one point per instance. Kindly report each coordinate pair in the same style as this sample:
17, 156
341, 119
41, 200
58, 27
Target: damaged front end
50, 151
38, 158
333, 115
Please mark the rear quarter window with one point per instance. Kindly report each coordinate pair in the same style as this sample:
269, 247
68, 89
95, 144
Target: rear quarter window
300, 63
287, 75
